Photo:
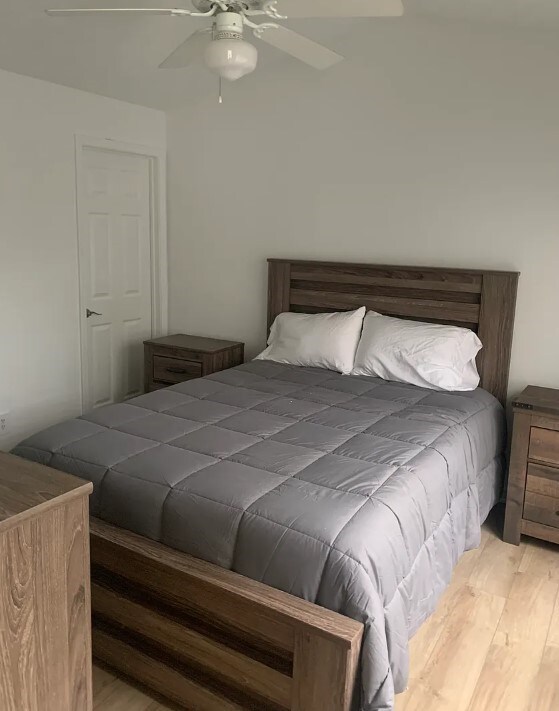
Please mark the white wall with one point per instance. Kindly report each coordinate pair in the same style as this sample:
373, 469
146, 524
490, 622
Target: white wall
39, 317
434, 144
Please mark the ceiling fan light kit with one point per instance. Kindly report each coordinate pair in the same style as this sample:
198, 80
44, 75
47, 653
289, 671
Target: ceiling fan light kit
228, 54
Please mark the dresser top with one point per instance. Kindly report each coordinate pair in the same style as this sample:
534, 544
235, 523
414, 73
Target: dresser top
193, 343
27, 488
538, 399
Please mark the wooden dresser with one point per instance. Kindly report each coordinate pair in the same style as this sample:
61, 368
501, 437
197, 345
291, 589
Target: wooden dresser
533, 485
174, 359
45, 627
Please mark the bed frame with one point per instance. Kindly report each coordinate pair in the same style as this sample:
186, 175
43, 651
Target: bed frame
211, 640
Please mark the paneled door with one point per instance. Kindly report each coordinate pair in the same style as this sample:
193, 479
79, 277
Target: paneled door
114, 237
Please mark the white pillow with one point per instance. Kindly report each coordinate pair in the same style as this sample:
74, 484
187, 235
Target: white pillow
425, 354
316, 340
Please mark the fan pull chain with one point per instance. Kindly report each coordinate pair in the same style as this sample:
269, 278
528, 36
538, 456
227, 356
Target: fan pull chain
220, 100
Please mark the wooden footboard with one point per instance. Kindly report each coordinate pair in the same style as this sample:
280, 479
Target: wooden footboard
210, 639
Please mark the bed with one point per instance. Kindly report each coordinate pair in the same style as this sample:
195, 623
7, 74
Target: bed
270, 537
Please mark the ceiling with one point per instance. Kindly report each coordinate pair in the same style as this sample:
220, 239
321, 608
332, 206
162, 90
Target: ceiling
118, 57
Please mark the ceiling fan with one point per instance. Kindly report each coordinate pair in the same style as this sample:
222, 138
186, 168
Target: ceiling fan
228, 54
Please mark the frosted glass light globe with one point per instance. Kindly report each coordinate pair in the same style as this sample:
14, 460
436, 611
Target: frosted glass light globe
231, 58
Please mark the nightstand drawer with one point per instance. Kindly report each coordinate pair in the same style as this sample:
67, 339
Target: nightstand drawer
174, 359
533, 481
544, 445
175, 370
542, 509
542, 480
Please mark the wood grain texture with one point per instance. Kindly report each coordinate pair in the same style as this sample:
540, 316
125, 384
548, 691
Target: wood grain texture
388, 305
178, 358
535, 689
279, 278
226, 634
514, 657
45, 652
471, 278
199, 344
553, 634
376, 287
483, 301
540, 530
496, 325
322, 677
508, 670
542, 400
27, 489
517, 476
540, 560
110, 542
175, 370
544, 445
158, 675
495, 570
533, 483
541, 509
111, 693
405, 281
448, 686
542, 480
187, 644
545, 689
78, 597
545, 420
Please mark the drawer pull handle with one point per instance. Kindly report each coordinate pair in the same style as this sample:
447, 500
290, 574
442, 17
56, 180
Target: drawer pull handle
177, 371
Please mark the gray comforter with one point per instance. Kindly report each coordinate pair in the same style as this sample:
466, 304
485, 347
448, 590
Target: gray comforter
354, 493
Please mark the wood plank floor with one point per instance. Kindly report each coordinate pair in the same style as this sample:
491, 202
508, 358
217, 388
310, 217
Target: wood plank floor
492, 644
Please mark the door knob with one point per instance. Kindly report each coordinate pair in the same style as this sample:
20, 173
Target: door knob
89, 314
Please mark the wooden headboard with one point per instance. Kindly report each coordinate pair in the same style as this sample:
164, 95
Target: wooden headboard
481, 300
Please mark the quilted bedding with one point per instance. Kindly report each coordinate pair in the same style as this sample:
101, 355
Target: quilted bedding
351, 492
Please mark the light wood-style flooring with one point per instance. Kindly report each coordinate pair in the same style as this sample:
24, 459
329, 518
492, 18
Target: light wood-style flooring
492, 644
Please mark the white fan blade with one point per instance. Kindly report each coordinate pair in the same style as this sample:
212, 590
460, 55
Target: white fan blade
300, 47
188, 51
176, 12
340, 8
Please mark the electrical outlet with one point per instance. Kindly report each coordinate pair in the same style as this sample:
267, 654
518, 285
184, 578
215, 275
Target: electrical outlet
4, 423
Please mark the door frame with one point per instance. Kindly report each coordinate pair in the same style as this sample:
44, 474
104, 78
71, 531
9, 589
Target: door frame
158, 234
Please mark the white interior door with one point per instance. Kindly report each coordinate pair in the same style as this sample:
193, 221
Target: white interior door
114, 234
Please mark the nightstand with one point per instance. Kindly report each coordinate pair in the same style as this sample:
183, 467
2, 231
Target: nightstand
533, 485
174, 359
